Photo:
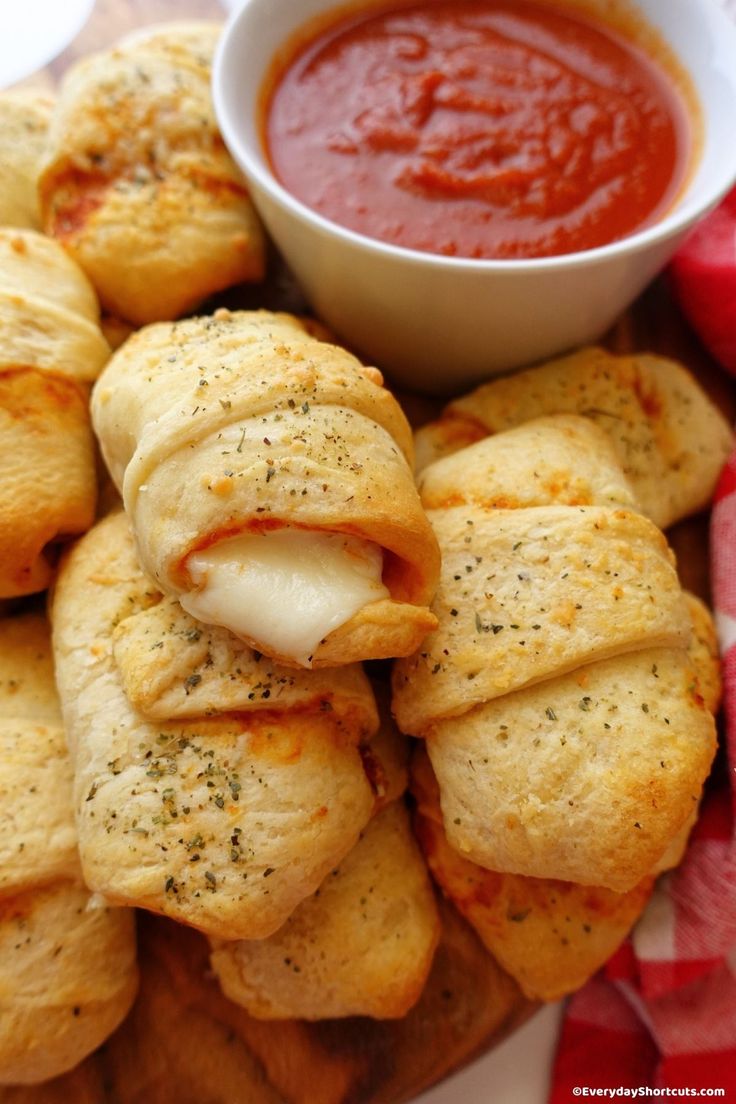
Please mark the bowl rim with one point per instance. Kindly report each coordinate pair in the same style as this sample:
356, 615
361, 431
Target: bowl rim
257, 171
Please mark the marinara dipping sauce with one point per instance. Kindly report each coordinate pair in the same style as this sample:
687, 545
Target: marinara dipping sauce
479, 128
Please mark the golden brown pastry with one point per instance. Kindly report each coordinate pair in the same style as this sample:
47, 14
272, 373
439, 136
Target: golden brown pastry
24, 122
211, 785
51, 348
542, 570
362, 945
551, 936
558, 699
267, 477
670, 439
138, 184
546, 459
67, 962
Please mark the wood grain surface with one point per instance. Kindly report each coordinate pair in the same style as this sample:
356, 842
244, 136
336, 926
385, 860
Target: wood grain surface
183, 1042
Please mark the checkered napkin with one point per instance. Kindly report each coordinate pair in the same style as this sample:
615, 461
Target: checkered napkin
662, 1013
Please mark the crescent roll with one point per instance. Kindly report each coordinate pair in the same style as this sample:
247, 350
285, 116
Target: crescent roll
267, 477
550, 936
67, 966
24, 123
670, 439
211, 785
138, 184
362, 945
558, 699
51, 348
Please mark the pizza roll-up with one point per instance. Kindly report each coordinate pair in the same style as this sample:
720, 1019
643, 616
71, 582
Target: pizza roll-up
138, 184
267, 476
24, 122
550, 935
362, 945
210, 784
67, 965
557, 696
51, 348
670, 439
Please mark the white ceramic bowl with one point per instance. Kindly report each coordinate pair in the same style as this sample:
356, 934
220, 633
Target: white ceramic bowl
438, 324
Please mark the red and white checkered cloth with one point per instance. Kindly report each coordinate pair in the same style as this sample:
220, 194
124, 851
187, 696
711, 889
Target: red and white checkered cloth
663, 1012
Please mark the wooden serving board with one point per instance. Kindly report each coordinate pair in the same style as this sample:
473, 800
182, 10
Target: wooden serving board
183, 1042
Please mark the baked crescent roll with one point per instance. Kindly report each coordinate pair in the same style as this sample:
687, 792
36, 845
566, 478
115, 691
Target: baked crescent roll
228, 806
138, 184
670, 439
267, 477
51, 347
550, 936
362, 945
542, 570
67, 965
557, 696
588, 775
24, 122
563, 459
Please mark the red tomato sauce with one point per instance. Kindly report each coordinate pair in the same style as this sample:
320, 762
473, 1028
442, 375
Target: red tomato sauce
479, 128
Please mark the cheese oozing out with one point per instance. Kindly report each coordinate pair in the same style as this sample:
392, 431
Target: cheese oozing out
285, 589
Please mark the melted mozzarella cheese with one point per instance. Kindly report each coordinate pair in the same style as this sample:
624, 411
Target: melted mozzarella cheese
285, 589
